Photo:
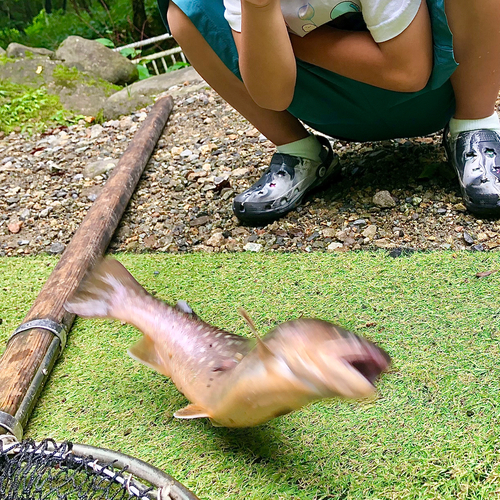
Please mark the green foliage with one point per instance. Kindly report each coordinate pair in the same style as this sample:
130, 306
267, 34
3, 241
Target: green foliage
30, 110
130, 52
4, 59
106, 42
49, 30
177, 65
9, 35
143, 72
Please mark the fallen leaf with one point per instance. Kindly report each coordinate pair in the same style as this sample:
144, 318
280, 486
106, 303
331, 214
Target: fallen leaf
15, 227
39, 69
486, 273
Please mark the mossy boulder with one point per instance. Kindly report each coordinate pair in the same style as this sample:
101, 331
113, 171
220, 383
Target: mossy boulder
94, 58
17, 50
78, 91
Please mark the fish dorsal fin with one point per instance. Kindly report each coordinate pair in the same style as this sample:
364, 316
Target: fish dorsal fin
144, 351
262, 349
191, 411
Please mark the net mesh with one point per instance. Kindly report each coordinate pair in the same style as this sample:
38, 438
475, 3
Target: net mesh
49, 471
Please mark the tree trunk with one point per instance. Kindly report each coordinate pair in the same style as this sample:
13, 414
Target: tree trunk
139, 16
75, 6
86, 6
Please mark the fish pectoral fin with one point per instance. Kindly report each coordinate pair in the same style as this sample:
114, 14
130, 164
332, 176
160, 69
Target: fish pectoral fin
184, 307
144, 351
191, 411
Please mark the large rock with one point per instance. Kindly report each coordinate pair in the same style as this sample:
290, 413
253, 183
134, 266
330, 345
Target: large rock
95, 58
17, 50
77, 91
140, 94
34, 71
2, 51
85, 99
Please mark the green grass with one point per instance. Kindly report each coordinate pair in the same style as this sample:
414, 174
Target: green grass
30, 110
432, 434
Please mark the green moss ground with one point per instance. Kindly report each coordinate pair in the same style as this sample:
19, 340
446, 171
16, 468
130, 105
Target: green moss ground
68, 77
432, 434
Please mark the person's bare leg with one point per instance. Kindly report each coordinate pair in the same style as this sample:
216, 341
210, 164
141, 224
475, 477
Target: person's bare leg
303, 161
280, 127
476, 43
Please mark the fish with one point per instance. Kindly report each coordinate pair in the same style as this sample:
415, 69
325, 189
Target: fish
234, 381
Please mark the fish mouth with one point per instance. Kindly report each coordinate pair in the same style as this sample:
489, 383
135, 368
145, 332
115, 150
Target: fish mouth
371, 365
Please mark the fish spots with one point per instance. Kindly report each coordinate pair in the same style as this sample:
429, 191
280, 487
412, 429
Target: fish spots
202, 349
203, 359
207, 333
214, 344
227, 336
238, 356
218, 335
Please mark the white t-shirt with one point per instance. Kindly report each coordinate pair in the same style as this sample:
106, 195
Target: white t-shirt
385, 19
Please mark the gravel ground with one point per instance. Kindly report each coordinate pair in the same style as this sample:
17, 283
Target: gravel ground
207, 154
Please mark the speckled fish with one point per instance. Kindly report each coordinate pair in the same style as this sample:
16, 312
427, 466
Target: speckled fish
233, 380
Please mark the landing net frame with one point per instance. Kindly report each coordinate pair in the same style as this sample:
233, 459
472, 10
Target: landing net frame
48, 470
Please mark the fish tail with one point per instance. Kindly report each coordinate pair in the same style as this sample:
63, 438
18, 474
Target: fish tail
107, 292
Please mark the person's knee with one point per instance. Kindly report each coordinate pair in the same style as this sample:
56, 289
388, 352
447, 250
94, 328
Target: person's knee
179, 24
411, 78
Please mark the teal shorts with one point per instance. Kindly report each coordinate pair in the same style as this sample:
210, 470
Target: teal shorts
341, 107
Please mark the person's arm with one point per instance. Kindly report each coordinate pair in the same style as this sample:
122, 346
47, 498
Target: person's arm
403, 63
266, 58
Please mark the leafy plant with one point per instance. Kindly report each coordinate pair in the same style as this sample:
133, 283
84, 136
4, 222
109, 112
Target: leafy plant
106, 42
130, 52
177, 65
143, 71
30, 110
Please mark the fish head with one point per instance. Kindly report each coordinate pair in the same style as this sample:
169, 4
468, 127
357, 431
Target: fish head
329, 360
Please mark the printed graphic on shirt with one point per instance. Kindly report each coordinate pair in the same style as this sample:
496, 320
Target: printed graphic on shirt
308, 17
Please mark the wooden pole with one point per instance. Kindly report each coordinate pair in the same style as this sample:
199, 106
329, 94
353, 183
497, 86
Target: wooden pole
31, 353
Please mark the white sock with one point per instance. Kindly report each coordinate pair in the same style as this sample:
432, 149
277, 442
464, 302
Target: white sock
308, 147
490, 123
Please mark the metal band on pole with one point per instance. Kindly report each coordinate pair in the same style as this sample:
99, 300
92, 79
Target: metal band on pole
57, 329
11, 425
